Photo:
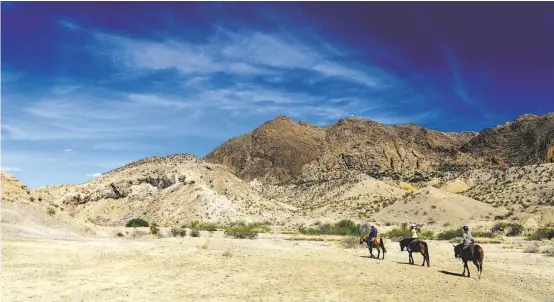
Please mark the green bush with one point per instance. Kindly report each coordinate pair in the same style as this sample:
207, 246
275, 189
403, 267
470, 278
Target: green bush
154, 228
483, 234
542, 234
508, 229
343, 228
450, 234
403, 232
241, 232
137, 222
179, 232
194, 233
203, 226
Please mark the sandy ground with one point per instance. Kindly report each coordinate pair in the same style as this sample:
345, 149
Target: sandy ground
265, 269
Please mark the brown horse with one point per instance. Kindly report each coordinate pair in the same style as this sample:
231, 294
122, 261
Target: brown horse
419, 246
377, 243
473, 253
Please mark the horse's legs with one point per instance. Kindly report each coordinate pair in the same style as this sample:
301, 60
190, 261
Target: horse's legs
468, 273
423, 254
465, 264
479, 266
410, 257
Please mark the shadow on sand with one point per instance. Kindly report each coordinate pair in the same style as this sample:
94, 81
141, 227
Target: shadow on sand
369, 257
452, 274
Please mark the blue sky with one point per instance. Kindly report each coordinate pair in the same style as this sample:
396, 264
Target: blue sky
90, 86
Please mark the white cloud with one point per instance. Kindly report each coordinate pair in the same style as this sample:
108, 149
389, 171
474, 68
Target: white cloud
94, 175
67, 150
241, 53
10, 169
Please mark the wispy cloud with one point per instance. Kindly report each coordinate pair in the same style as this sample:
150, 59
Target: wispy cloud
67, 150
94, 175
10, 169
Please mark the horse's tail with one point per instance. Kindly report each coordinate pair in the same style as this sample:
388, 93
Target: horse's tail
426, 252
383, 245
479, 253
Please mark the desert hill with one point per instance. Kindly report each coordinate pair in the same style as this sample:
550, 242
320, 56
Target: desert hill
22, 215
432, 206
169, 190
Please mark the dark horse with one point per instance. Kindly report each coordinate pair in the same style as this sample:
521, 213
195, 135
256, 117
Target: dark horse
377, 243
473, 253
419, 246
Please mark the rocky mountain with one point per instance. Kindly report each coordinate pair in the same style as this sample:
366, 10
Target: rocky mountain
169, 190
527, 140
272, 153
282, 150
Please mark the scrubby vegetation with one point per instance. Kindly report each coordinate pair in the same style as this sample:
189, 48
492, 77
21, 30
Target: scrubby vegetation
343, 228
402, 232
546, 233
154, 228
137, 222
508, 229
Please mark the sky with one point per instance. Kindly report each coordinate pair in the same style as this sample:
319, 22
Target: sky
90, 86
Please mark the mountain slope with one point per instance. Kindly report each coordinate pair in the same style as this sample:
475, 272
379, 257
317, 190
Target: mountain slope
169, 190
274, 152
527, 140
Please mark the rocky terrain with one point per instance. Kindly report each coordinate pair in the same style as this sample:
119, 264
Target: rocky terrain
288, 173
528, 140
168, 190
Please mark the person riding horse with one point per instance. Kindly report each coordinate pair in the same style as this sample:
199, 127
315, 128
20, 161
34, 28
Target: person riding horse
467, 238
372, 235
413, 237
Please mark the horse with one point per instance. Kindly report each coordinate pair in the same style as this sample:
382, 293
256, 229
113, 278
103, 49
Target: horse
473, 253
377, 243
419, 246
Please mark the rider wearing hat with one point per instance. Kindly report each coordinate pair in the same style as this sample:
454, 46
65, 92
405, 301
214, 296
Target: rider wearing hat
467, 238
413, 236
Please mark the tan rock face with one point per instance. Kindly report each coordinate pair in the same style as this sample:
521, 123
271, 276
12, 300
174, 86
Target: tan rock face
274, 152
13, 190
550, 154
281, 150
523, 142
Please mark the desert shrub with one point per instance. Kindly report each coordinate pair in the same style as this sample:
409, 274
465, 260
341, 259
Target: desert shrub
203, 226
350, 242
542, 234
137, 222
343, 228
549, 251
450, 234
483, 234
154, 228
508, 229
259, 227
397, 234
456, 240
533, 248
119, 235
194, 233
50, 211
241, 232
179, 232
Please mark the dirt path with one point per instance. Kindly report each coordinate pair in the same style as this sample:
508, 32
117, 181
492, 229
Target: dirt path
180, 269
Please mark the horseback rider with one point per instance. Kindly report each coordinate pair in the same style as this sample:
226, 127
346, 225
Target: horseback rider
413, 236
372, 235
467, 238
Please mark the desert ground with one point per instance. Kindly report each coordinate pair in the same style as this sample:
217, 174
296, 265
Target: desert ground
270, 268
